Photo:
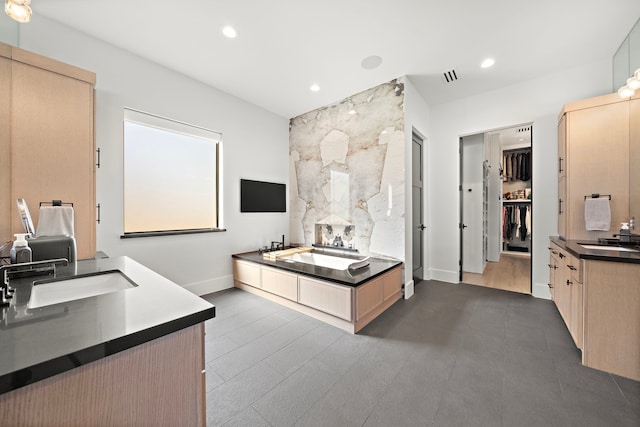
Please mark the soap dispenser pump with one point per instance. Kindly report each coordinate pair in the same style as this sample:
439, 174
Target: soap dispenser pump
625, 234
20, 251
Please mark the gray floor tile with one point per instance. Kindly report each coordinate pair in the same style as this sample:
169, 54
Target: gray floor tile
247, 418
451, 355
289, 400
298, 353
242, 358
236, 395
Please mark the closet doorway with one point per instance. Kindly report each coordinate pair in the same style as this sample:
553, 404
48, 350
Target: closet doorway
496, 198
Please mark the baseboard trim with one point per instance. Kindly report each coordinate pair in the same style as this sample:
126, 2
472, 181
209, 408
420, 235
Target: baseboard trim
445, 275
210, 286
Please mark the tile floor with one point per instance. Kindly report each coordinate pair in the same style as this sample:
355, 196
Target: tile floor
452, 355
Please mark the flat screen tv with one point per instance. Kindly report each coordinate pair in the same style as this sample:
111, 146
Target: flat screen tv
259, 196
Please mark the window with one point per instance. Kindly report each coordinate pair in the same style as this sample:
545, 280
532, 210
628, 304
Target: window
171, 177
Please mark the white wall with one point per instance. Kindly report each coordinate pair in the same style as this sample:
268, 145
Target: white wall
416, 118
255, 146
538, 101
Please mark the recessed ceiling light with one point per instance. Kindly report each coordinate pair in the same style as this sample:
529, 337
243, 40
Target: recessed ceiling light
488, 63
314, 88
229, 32
371, 62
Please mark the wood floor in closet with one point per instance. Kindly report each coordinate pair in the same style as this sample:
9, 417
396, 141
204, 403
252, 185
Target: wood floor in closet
511, 273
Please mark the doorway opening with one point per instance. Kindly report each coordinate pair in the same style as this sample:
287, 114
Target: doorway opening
496, 199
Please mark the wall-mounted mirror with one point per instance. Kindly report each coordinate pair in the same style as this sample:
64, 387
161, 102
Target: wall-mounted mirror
634, 162
627, 58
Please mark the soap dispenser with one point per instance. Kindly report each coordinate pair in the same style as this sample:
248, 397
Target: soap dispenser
20, 251
625, 234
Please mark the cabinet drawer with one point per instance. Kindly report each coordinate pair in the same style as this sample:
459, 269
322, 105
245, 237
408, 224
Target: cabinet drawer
324, 296
576, 266
280, 283
247, 273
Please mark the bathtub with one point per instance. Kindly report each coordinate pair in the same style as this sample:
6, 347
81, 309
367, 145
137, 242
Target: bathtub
329, 261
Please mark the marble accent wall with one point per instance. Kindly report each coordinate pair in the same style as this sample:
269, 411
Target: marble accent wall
347, 168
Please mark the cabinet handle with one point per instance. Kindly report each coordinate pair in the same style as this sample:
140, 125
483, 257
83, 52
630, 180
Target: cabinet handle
552, 266
98, 162
98, 218
560, 207
562, 255
569, 282
560, 170
571, 267
550, 285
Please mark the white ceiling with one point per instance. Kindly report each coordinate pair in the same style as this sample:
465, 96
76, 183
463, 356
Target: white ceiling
283, 46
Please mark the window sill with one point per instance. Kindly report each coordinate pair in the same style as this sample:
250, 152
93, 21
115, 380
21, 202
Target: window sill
170, 233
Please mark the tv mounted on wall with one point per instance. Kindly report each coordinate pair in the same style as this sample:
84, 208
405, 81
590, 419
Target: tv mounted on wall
259, 196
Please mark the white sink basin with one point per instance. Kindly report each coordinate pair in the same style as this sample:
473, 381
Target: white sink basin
334, 262
48, 292
609, 248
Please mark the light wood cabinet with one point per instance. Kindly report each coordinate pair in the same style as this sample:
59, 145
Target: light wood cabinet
5, 147
156, 383
565, 280
280, 283
51, 139
634, 161
347, 307
594, 134
248, 273
326, 297
612, 317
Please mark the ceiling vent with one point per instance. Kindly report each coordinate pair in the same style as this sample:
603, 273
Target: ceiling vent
525, 129
450, 76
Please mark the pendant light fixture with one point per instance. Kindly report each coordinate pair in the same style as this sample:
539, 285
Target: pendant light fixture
18, 10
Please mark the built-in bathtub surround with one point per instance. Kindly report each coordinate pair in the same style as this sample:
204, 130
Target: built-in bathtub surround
347, 169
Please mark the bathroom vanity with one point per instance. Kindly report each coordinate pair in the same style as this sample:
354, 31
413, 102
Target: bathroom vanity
346, 298
597, 293
130, 354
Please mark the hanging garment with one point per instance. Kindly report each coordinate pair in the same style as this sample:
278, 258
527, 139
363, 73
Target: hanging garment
523, 222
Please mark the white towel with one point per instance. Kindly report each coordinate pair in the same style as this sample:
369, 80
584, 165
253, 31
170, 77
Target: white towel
55, 221
597, 214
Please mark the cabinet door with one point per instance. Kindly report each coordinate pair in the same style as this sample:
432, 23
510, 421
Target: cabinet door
247, 273
392, 284
52, 147
634, 162
324, 296
280, 283
598, 162
369, 296
562, 146
563, 206
6, 200
553, 266
563, 290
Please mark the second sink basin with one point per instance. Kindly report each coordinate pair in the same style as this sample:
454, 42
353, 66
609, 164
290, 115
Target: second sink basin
55, 291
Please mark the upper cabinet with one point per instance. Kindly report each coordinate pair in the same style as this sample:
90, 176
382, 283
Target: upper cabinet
47, 117
598, 138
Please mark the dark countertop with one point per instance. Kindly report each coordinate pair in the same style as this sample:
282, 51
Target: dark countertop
574, 247
376, 267
38, 343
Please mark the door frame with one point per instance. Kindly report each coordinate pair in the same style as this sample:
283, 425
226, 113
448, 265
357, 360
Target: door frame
460, 194
417, 137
